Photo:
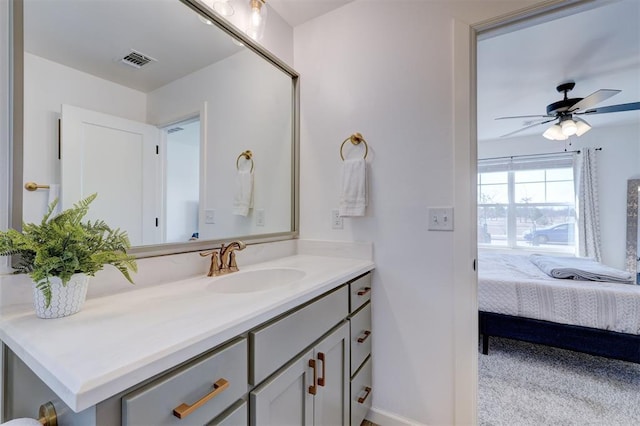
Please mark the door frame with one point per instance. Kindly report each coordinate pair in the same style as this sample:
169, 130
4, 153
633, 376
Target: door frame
465, 279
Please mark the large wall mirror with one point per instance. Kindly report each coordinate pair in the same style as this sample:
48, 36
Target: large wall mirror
161, 108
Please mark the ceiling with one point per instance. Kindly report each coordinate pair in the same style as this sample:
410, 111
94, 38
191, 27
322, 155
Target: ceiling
296, 12
93, 35
597, 48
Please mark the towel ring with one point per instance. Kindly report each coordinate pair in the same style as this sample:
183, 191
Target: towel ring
355, 139
248, 155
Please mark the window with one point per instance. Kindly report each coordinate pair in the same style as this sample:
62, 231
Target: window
527, 201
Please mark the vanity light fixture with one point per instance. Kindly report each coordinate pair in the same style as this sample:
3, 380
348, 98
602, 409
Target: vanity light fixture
222, 7
257, 19
567, 126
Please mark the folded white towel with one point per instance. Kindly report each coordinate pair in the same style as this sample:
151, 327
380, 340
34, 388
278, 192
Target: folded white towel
54, 193
243, 197
353, 188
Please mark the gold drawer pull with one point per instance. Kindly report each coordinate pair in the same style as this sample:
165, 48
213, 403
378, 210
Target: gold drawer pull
363, 291
184, 410
313, 389
362, 399
366, 333
321, 357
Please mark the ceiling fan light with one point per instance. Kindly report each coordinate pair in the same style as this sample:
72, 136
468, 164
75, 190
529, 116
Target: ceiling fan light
582, 126
569, 127
554, 133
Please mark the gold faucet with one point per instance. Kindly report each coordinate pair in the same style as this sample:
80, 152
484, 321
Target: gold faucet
223, 260
228, 256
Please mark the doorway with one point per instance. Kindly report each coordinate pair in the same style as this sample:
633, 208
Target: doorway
583, 61
182, 180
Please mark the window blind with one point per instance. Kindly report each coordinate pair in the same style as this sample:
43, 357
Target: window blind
527, 162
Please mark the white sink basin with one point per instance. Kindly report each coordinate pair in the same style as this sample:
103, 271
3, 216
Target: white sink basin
256, 280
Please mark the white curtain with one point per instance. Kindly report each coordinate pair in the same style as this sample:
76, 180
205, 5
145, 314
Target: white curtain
588, 216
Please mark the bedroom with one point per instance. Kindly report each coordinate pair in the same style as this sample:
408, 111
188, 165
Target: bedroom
535, 176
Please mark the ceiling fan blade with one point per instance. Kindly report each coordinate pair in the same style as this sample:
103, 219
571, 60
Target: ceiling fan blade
527, 127
593, 99
540, 117
612, 108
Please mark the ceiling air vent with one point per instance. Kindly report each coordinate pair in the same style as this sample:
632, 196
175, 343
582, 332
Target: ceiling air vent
137, 59
174, 129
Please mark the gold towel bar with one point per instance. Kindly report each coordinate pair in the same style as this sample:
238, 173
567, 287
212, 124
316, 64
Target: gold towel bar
248, 155
355, 139
32, 186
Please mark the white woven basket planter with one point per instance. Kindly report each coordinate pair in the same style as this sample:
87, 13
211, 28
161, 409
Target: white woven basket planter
65, 300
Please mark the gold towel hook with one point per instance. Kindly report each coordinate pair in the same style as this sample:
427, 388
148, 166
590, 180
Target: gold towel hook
248, 155
355, 139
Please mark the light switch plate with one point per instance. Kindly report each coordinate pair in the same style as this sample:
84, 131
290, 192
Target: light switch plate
440, 218
259, 217
336, 219
210, 216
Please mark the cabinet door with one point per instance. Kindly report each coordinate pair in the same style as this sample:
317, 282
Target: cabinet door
285, 399
331, 406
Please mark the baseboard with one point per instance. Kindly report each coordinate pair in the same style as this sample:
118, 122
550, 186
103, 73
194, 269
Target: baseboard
385, 418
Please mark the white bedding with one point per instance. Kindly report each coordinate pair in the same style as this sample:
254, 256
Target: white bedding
512, 285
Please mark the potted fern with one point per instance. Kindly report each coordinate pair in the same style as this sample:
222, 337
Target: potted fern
62, 252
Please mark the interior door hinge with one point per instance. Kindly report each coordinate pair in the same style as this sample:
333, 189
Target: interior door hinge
157, 222
475, 264
157, 149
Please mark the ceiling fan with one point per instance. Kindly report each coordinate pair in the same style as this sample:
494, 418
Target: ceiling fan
568, 110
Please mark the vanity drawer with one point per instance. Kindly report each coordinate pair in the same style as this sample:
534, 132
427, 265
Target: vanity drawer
275, 344
360, 325
234, 416
361, 386
359, 292
154, 404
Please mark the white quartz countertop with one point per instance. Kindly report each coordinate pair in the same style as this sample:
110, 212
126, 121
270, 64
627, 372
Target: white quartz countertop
119, 340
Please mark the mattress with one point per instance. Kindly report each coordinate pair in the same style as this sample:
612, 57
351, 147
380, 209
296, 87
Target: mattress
512, 285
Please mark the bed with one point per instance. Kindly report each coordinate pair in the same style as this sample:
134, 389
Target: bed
518, 300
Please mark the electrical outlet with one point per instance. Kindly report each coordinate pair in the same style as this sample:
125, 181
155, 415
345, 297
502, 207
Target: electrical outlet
440, 218
210, 216
260, 217
336, 220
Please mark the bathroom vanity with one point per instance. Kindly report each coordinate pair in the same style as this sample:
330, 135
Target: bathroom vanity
280, 342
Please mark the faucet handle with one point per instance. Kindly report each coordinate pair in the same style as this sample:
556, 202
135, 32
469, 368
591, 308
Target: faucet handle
233, 266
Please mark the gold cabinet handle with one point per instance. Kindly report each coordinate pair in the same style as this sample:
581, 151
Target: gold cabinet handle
183, 410
366, 333
321, 357
362, 399
313, 389
363, 291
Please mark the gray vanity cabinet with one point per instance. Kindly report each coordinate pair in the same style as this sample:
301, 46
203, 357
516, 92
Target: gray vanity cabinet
309, 366
360, 348
313, 389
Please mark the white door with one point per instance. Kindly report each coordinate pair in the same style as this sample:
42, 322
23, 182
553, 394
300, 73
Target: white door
117, 159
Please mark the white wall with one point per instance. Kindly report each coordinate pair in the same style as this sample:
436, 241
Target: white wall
48, 85
385, 69
248, 108
617, 162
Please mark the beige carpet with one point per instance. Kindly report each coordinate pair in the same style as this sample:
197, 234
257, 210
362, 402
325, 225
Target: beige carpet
525, 384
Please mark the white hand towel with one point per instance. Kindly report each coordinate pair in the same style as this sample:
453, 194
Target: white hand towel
353, 188
243, 197
54, 193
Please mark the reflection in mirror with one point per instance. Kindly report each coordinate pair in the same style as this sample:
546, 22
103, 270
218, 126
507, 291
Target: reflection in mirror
633, 186
154, 108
